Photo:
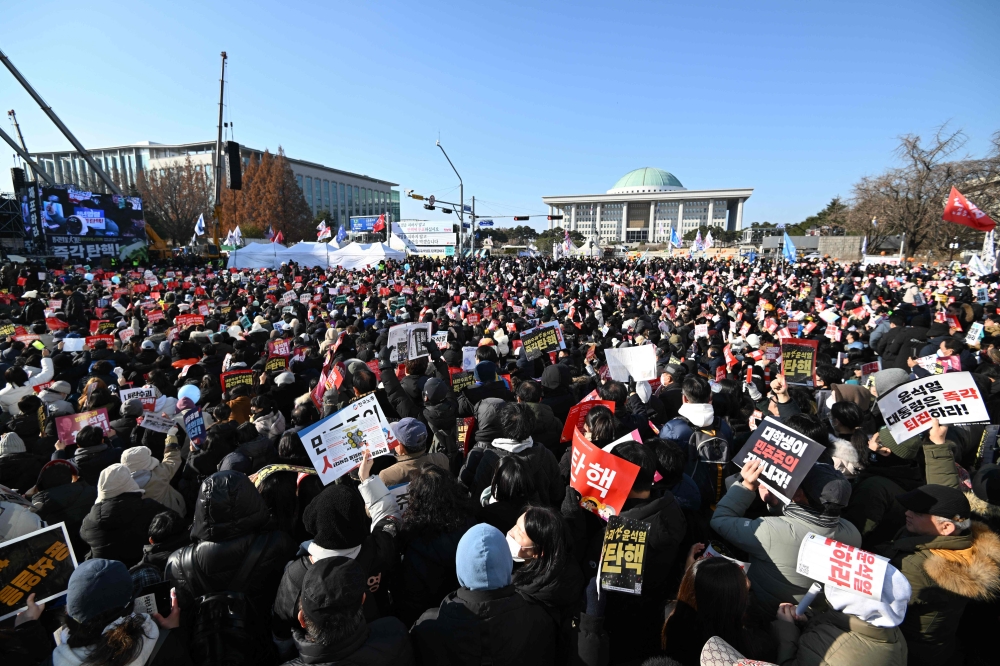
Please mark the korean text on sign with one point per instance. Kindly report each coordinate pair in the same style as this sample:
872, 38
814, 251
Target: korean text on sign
787, 455
603, 479
38, 563
833, 563
623, 555
951, 398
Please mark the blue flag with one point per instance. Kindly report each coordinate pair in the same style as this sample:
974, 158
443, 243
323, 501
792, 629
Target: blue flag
341, 234
789, 249
675, 238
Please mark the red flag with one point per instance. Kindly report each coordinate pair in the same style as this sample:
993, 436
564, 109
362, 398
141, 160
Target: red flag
379, 223
278, 238
962, 211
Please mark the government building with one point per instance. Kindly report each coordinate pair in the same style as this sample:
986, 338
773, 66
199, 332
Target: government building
342, 193
644, 205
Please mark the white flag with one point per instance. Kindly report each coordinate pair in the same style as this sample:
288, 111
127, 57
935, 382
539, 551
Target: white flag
199, 227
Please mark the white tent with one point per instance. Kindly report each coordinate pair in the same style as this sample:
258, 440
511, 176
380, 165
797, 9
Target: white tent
257, 255
360, 255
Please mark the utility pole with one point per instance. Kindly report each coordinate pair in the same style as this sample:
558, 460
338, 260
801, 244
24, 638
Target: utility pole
461, 199
472, 242
218, 141
17, 128
62, 128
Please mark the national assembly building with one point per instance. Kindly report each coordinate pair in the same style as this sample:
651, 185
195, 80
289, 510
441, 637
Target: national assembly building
644, 205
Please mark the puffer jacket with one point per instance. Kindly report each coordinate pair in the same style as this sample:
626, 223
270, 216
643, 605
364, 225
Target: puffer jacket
945, 573
91, 460
51, 400
488, 425
69, 503
471, 397
118, 528
228, 515
20, 470
10, 394
482, 462
427, 573
834, 638
382, 642
548, 428
260, 451
772, 542
270, 425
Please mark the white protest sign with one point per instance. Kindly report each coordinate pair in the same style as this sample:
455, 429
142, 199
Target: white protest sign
639, 362
701, 330
829, 316
156, 423
469, 358
147, 394
975, 334
441, 339
951, 398
73, 344
337, 444
833, 563
408, 340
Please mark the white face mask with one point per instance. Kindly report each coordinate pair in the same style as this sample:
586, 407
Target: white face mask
515, 548
831, 401
941, 354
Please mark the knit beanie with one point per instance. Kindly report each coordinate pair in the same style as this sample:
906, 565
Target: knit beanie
139, 458
10, 442
115, 480
336, 518
886, 380
907, 449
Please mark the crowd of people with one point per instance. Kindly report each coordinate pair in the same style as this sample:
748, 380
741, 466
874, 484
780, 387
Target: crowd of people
487, 556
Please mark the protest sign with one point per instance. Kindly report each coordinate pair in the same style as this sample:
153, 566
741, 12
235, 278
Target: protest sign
126, 334
637, 362
798, 363
147, 394
280, 347
73, 344
461, 379
710, 551
788, 456
771, 352
469, 358
603, 479
276, 364
975, 334
7, 329
408, 340
100, 326
542, 340
701, 330
868, 369
194, 426
465, 426
183, 321
156, 423
336, 444
833, 563
68, 426
623, 554
441, 339
234, 378
401, 491
38, 563
109, 340
578, 412
951, 398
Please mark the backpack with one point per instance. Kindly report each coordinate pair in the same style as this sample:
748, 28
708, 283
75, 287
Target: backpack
446, 442
710, 454
228, 630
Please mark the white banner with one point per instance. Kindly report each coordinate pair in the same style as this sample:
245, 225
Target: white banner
639, 362
156, 423
833, 563
951, 398
337, 444
422, 227
408, 340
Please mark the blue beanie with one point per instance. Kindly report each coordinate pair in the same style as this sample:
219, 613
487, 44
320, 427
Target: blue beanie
486, 371
483, 560
98, 586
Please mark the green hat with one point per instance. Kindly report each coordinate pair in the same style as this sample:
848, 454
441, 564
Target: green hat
907, 449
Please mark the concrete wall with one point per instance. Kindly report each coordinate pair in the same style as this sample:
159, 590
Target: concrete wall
844, 248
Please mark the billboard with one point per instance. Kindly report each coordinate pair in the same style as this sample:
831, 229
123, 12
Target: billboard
427, 239
432, 250
81, 226
422, 227
365, 223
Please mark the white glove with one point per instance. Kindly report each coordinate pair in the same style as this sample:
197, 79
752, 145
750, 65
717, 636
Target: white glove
753, 391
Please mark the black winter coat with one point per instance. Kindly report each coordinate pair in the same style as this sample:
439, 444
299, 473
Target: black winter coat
91, 460
427, 574
488, 426
20, 470
496, 627
483, 461
69, 503
118, 528
383, 642
228, 516
473, 395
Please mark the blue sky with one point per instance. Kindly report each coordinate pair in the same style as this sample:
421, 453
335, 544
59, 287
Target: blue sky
797, 100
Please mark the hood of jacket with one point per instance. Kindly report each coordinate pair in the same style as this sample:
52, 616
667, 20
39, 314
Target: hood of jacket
228, 506
488, 413
973, 573
483, 560
859, 395
117, 510
700, 416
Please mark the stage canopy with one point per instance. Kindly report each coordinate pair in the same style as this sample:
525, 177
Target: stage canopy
325, 255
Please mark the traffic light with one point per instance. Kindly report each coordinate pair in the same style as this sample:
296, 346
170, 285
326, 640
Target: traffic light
521, 218
428, 206
555, 217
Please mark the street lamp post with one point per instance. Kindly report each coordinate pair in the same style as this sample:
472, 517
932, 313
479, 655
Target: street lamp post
461, 199
951, 249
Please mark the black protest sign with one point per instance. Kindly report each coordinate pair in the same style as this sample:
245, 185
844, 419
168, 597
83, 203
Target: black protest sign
623, 554
462, 380
276, 364
234, 378
788, 456
39, 563
541, 340
798, 360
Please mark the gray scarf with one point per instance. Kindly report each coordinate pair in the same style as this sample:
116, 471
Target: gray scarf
811, 516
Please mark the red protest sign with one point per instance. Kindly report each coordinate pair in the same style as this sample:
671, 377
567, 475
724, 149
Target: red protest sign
279, 347
720, 373
91, 339
577, 413
234, 378
53, 323
95, 325
189, 320
68, 426
473, 319
373, 366
603, 479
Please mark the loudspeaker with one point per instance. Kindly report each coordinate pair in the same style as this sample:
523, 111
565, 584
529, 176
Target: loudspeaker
234, 166
17, 175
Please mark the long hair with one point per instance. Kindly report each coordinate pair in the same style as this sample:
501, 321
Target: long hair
437, 504
512, 481
118, 646
722, 596
547, 529
92, 385
602, 425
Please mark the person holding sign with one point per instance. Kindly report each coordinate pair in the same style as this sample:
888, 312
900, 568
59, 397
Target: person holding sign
856, 630
772, 542
949, 561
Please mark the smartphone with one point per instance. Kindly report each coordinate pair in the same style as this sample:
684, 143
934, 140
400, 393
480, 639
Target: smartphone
154, 599
37, 344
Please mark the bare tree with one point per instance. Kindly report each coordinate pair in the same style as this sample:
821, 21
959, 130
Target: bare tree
909, 199
173, 199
